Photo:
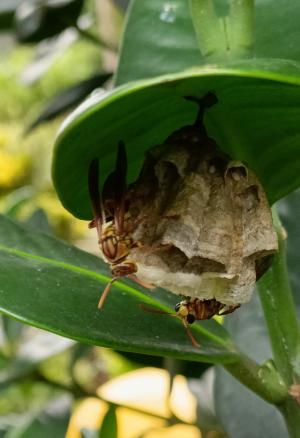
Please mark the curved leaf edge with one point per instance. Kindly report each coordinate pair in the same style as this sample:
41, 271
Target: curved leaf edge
254, 69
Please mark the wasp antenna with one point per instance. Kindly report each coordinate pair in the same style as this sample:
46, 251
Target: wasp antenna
190, 334
93, 183
121, 162
140, 282
105, 293
120, 187
153, 310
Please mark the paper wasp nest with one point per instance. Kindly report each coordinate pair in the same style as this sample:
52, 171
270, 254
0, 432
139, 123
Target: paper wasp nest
202, 221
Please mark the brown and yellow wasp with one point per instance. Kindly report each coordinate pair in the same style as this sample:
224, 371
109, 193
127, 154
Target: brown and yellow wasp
110, 209
194, 309
191, 310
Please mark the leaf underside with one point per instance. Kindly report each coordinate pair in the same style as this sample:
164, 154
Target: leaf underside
256, 120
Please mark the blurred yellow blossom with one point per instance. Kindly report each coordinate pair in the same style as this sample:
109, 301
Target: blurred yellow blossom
13, 170
145, 406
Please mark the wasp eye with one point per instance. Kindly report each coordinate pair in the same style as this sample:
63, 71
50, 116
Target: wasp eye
190, 318
177, 307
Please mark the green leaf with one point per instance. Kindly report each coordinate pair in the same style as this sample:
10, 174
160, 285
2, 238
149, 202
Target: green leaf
166, 40
167, 43
68, 98
257, 120
109, 426
242, 413
57, 288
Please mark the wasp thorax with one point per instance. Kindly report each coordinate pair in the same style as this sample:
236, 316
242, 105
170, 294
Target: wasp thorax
181, 309
203, 221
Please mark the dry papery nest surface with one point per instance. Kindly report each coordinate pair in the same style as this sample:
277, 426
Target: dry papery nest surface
203, 222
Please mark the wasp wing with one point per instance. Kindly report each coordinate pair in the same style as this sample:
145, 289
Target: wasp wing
108, 195
262, 265
95, 196
115, 189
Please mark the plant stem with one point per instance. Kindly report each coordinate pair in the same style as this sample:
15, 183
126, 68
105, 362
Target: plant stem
208, 28
263, 380
290, 411
280, 315
240, 27
224, 37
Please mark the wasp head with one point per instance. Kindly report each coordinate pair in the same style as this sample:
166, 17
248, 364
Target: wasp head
182, 310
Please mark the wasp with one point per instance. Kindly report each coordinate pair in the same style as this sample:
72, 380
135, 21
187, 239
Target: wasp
190, 310
111, 219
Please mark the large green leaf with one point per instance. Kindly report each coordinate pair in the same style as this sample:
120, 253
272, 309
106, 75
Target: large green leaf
256, 120
48, 284
159, 37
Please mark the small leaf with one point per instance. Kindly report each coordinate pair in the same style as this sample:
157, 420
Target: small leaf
57, 288
68, 98
109, 427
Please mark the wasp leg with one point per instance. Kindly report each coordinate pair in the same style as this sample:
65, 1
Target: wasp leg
105, 293
189, 333
154, 310
153, 248
230, 310
140, 282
